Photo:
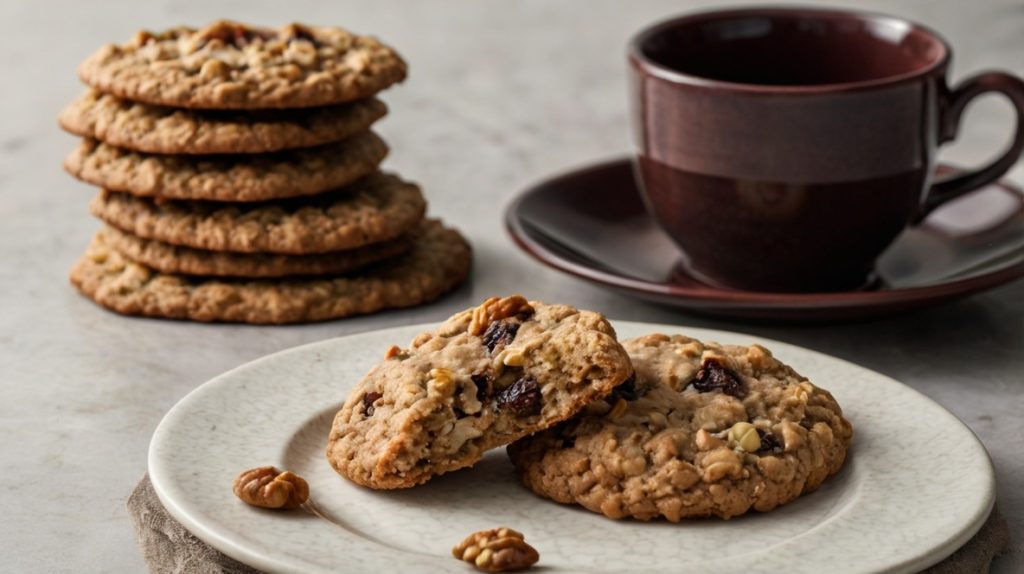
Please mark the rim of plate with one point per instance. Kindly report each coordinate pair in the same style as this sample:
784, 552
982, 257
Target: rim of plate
233, 543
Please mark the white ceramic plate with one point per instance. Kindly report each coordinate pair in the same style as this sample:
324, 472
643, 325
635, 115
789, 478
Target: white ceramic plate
917, 483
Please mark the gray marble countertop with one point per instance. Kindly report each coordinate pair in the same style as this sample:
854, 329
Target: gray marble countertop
500, 95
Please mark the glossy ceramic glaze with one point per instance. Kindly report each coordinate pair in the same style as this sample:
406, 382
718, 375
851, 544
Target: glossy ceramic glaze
592, 223
785, 149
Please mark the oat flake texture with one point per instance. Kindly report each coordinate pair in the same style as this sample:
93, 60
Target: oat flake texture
669, 451
161, 129
228, 65
439, 261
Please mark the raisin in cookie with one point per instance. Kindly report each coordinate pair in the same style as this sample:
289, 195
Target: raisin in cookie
439, 261
705, 430
160, 129
486, 377
245, 178
228, 65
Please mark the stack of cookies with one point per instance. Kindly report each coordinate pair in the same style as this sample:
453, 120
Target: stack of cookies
239, 179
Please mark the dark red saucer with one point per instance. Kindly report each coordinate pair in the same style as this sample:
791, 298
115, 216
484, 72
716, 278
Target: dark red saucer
591, 223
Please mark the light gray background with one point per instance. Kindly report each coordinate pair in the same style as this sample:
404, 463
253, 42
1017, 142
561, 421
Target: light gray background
500, 94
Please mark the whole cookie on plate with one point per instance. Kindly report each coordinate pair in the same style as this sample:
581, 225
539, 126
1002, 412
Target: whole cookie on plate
377, 208
245, 178
706, 430
228, 65
177, 260
160, 129
486, 377
439, 261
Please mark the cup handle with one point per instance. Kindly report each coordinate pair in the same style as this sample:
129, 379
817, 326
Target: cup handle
951, 108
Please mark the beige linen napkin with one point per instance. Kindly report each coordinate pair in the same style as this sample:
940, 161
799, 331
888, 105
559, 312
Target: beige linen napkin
168, 548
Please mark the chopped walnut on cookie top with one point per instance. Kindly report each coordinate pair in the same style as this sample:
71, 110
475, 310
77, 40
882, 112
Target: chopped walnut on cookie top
228, 65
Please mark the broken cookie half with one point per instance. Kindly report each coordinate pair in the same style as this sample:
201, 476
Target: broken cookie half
485, 378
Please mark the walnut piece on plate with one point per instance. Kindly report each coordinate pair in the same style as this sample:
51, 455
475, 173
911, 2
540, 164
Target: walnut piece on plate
268, 487
496, 550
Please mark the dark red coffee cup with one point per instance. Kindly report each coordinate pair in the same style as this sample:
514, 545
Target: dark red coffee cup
785, 149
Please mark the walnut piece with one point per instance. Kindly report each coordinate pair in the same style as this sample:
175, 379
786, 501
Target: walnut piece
268, 487
296, 31
142, 37
396, 352
223, 30
745, 436
496, 550
497, 308
441, 383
